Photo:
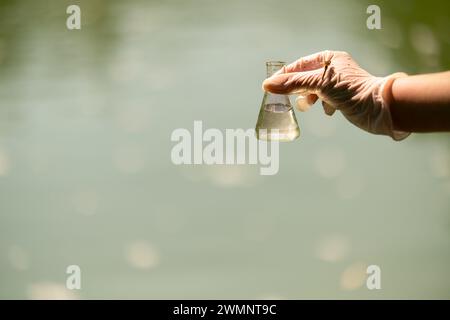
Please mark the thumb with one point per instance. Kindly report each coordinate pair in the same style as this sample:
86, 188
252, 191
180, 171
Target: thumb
295, 82
305, 101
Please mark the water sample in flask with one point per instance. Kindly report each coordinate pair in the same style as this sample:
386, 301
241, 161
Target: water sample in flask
276, 120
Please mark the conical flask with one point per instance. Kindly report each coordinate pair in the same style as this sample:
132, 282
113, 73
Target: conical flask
276, 120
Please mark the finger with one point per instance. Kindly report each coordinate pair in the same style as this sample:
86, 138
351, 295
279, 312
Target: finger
296, 82
328, 108
307, 63
304, 102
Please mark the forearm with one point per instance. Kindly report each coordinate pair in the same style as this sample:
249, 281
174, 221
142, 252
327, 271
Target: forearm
421, 103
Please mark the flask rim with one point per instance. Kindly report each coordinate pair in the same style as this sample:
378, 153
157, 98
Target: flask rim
275, 63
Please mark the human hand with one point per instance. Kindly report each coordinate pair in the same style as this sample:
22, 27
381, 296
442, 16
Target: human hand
341, 84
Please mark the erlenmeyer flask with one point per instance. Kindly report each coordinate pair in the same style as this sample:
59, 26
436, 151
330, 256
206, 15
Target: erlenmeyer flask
276, 120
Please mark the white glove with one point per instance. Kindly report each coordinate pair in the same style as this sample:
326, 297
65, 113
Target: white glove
362, 98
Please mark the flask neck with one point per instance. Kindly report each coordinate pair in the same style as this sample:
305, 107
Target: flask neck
273, 66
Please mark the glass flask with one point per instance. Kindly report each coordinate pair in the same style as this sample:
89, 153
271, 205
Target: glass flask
276, 120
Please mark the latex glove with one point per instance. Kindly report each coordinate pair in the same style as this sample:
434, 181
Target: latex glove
361, 97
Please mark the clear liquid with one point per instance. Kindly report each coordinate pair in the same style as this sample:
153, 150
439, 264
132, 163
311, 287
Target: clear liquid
280, 117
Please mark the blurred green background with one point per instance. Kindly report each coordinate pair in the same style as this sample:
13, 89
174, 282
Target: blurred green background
86, 176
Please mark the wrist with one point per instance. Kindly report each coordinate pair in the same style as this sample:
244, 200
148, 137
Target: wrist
386, 89
388, 104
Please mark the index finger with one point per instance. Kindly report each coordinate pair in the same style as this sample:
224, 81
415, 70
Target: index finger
307, 63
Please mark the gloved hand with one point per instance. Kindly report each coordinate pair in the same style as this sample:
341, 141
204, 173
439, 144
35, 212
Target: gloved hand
343, 85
